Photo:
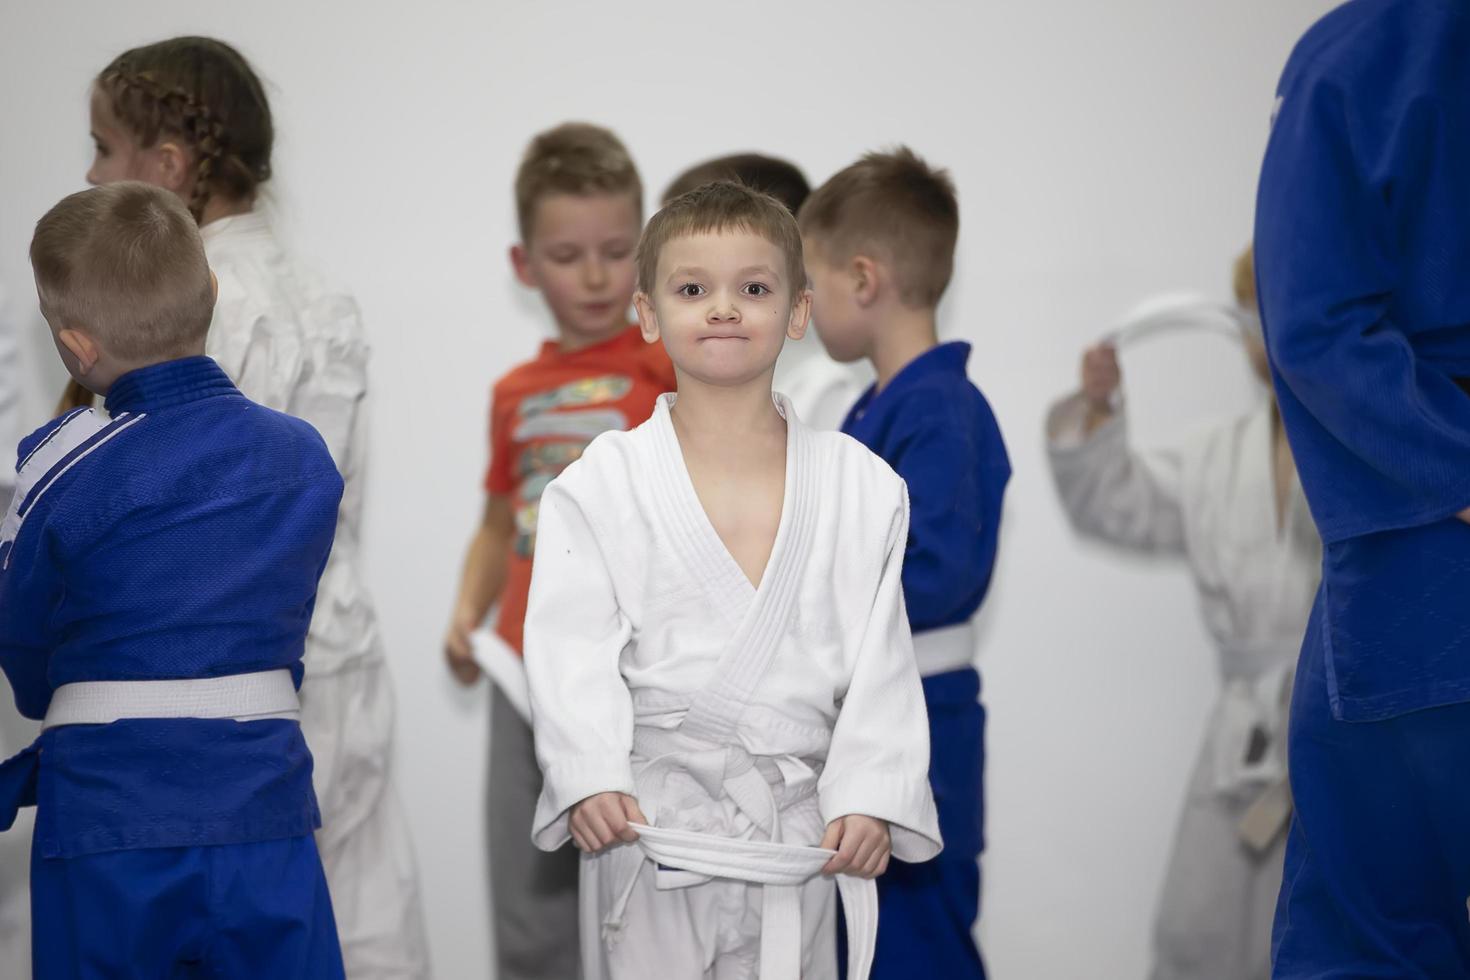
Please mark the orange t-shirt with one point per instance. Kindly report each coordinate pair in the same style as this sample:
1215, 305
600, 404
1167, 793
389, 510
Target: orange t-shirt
542, 415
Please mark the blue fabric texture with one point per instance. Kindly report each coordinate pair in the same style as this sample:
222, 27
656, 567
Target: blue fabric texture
227, 912
187, 543
1363, 268
936, 430
1377, 867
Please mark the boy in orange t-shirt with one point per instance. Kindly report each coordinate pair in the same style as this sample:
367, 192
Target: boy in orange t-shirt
579, 203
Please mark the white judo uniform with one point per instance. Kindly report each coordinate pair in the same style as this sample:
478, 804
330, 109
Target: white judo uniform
743, 719
1213, 502
296, 346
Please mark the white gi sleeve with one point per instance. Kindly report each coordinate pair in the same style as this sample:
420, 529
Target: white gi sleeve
1109, 491
575, 633
878, 762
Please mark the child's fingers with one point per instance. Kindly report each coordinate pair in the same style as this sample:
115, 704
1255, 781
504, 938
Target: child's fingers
846, 851
617, 824
883, 864
598, 832
832, 837
634, 814
865, 853
876, 861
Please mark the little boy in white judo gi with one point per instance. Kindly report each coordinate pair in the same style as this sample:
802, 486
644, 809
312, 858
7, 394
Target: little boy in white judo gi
725, 699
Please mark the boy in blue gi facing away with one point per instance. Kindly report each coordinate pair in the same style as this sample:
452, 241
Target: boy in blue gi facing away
158, 568
880, 238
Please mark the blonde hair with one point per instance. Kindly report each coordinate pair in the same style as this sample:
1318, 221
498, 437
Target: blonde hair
720, 207
1243, 278
125, 263
573, 158
899, 209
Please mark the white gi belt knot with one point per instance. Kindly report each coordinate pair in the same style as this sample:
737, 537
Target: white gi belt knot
781, 869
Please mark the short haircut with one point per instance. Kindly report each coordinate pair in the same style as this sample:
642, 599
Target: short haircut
898, 209
721, 207
1243, 278
770, 175
125, 263
573, 158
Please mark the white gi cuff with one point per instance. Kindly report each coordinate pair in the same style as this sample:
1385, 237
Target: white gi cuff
891, 799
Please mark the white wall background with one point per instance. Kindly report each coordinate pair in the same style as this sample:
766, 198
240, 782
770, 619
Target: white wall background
1104, 151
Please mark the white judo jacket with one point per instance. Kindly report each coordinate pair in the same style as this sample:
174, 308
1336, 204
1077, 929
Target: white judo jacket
730, 711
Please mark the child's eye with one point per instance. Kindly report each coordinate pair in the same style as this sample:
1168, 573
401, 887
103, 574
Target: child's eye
756, 289
691, 290
101, 150
618, 252
563, 258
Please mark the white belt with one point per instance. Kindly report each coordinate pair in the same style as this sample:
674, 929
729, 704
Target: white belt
945, 649
242, 697
753, 784
781, 870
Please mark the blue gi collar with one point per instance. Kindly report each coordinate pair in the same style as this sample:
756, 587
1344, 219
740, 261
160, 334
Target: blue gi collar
950, 357
165, 385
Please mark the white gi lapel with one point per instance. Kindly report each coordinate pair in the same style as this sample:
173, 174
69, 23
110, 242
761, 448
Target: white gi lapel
763, 614
705, 743
83, 432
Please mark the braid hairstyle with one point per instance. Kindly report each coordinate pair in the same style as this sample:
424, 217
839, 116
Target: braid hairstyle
204, 93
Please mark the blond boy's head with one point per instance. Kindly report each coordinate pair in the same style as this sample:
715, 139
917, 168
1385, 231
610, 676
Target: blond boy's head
896, 209
580, 206
121, 274
577, 159
721, 281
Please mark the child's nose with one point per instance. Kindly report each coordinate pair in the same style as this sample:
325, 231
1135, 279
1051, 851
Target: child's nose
595, 273
724, 310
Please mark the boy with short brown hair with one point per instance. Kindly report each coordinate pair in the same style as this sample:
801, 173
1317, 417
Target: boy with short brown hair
158, 569
880, 239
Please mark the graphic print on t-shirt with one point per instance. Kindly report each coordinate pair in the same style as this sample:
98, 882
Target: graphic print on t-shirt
556, 426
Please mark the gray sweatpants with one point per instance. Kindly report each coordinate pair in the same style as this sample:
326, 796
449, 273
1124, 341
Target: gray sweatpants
533, 894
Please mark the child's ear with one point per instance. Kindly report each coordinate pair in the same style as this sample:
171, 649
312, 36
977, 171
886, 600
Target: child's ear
520, 261
865, 280
81, 347
174, 168
647, 319
801, 315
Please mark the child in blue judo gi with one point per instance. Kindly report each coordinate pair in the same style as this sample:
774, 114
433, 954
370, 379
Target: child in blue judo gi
880, 240
1363, 237
158, 568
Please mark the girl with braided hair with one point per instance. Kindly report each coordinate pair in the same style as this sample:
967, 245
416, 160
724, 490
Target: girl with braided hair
190, 115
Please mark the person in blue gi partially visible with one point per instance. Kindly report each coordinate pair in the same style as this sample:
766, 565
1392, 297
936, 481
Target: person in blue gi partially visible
881, 236
1363, 239
158, 568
